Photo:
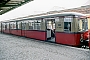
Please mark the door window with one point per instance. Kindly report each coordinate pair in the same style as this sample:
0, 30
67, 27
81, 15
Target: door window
67, 23
82, 23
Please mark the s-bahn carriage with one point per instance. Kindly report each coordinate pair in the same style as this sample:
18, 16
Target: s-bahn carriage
88, 18
64, 28
68, 28
34, 28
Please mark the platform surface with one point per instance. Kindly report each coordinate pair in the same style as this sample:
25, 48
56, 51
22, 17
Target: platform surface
20, 48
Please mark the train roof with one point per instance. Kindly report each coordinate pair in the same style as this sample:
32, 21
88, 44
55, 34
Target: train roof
56, 15
46, 16
88, 15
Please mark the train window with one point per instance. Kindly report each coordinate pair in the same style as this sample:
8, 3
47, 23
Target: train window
14, 25
43, 24
7, 25
23, 26
67, 26
11, 26
67, 23
19, 25
51, 24
3, 26
82, 23
31, 24
37, 24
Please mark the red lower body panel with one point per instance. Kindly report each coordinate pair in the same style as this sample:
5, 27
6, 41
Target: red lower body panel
6, 31
13, 32
89, 38
16, 32
19, 32
89, 43
23, 32
41, 35
3, 31
72, 39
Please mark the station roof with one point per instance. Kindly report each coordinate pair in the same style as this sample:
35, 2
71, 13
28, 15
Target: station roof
7, 5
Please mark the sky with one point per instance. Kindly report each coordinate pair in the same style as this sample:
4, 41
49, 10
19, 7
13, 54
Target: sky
41, 6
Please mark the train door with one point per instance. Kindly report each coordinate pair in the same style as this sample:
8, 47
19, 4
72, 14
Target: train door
23, 28
19, 28
3, 27
50, 25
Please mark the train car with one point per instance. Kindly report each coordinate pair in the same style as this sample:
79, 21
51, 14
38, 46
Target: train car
88, 18
34, 29
67, 28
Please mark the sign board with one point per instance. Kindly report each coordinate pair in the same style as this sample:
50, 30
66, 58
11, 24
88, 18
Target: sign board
68, 19
57, 19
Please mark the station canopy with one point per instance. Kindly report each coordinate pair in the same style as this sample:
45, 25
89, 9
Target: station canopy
7, 5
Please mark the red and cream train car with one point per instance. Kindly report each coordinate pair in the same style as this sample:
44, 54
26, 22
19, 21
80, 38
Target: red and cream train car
64, 28
88, 18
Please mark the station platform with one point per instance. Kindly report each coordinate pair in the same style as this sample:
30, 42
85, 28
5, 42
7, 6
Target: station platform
20, 48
